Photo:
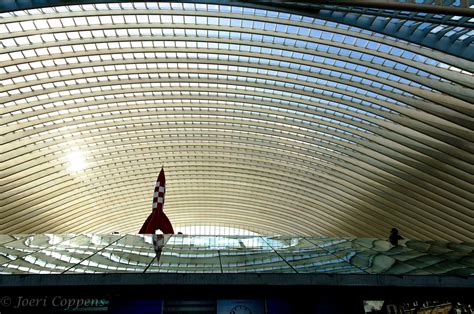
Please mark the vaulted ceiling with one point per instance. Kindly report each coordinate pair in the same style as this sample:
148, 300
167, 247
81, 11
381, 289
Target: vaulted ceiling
270, 121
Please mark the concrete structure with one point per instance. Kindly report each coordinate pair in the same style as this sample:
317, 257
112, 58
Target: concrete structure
310, 119
46, 273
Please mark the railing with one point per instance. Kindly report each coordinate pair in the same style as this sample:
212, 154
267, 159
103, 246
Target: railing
115, 253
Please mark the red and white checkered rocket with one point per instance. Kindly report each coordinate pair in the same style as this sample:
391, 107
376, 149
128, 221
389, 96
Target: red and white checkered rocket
157, 219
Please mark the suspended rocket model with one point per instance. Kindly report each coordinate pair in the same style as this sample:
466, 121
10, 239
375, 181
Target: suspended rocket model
157, 219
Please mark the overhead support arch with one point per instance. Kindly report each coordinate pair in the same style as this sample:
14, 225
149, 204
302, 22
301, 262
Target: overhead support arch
320, 119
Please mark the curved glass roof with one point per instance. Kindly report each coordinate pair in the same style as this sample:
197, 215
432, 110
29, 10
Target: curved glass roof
266, 121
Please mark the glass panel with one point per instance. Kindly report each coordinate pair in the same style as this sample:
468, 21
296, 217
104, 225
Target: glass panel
26, 254
186, 260
249, 261
5, 238
251, 254
306, 257
188, 254
29, 244
357, 253
132, 253
215, 242
79, 250
54, 254
376, 263
450, 268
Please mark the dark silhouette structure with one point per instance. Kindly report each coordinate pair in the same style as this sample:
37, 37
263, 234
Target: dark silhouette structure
394, 236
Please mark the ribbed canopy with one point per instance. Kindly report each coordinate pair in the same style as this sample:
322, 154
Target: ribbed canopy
264, 120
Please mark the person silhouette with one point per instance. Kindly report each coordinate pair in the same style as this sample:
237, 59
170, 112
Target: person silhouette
394, 236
